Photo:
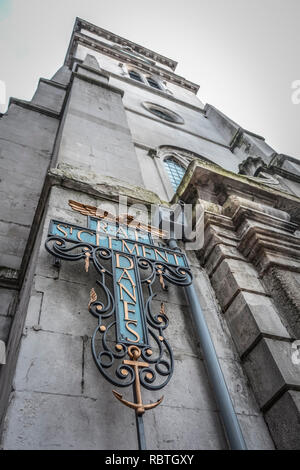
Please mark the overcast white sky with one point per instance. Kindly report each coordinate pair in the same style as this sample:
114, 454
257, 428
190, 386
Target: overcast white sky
243, 53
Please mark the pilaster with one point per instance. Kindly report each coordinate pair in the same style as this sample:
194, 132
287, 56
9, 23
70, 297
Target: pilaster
95, 134
261, 338
252, 256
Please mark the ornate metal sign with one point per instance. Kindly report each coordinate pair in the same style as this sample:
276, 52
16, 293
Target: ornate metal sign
128, 345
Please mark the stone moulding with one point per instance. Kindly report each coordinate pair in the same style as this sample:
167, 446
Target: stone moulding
251, 253
34, 107
78, 37
100, 186
81, 23
222, 183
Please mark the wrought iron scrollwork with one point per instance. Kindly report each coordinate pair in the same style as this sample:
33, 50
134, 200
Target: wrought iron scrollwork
150, 366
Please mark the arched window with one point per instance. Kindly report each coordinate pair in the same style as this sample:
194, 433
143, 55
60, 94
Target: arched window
135, 76
153, 83
175, 171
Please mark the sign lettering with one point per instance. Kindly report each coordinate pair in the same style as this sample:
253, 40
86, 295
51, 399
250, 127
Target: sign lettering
110, 236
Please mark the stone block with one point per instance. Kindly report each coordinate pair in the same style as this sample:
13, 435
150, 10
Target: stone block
188, 388
173, 294
216, 234
180, 332
42, 421
65, 307
284, 286
67, 215
233, 275
251, 315
60, 196
218, 253
49, 96
283, 419
255, 432
29, 129
49, 362
13, 244
178, 428
238, 386
74, 272
95, 385
270, 369
212, 313
192, 258
45, 261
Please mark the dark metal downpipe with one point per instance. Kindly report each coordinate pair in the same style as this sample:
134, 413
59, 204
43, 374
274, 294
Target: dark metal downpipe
232, 428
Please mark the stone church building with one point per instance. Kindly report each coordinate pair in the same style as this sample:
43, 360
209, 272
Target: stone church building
116, 121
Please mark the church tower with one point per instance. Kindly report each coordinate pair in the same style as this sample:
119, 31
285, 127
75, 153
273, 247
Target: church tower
115, 127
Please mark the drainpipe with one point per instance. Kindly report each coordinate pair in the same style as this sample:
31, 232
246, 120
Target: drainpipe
232, 428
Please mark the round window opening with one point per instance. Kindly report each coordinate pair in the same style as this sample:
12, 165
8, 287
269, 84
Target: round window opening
163, 113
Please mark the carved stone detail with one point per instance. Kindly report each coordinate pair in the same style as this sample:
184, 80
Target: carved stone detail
252, 254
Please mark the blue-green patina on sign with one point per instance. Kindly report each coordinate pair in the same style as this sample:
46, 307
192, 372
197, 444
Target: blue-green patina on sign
126, 244
131, 326
118, 242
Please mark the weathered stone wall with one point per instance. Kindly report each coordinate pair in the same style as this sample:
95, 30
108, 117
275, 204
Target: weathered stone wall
251, 254
60, 400
27, 137
90, 124
112, 66
95, 134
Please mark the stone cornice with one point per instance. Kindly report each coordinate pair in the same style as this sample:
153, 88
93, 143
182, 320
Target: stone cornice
104, 48
83, 24
101, 186
266, 240
253, 165
254, 221
100, 73
219, 220
282, 172
53, 83
245, 214
222, 183
267, 254
260, 238
34, 107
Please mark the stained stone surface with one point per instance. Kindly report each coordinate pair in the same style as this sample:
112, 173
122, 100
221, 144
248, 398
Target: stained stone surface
56, 370
86, 136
